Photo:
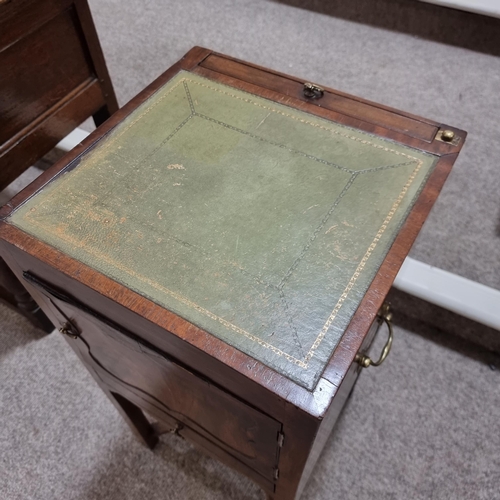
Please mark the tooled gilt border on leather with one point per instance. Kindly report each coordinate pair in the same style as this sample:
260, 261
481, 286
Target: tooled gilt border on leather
303, 363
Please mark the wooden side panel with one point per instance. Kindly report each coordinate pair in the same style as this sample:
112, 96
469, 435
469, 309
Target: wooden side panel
39, 70
19, 17
46, 132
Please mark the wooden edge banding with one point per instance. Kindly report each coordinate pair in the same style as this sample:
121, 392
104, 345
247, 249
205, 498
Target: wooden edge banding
402, 122
330, 99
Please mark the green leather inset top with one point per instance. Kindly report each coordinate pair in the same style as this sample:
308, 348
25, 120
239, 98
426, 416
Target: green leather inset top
259, 223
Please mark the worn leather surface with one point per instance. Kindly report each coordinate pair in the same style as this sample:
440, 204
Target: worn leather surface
259, 223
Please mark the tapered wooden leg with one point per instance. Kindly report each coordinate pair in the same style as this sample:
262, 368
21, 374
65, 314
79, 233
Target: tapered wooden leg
135, 418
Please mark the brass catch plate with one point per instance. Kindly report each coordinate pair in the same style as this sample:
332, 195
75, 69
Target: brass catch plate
448, 136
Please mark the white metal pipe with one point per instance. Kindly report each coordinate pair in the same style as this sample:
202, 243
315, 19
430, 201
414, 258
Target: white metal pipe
72, 139
460, 295
485, 7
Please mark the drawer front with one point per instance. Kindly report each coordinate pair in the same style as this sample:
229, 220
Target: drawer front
163, 387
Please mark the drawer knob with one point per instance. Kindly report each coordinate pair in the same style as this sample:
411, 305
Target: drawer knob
384, 316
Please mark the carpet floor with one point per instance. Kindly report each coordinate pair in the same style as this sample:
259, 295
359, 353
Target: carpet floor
422, 426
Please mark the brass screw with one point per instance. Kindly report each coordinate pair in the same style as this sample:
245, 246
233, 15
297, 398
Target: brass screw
447, 135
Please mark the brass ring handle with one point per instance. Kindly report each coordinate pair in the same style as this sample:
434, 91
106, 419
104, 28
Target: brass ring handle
385, 316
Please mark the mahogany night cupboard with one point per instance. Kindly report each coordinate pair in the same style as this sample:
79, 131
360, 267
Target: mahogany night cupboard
218, 252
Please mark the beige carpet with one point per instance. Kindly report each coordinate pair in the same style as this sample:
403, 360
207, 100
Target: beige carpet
422, 426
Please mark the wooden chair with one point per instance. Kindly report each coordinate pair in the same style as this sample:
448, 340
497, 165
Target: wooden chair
53, 77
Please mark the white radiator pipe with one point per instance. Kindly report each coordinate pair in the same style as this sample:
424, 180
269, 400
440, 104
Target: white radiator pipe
450, 291
72, 139
485, 7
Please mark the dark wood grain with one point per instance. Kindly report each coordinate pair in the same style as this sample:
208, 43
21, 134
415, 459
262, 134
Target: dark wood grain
53, 77
44, 132
96, 60
55, 45
19, 18
138, 349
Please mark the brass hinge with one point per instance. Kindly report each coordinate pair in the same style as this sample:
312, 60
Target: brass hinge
312, 91
281, 439
276, 474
